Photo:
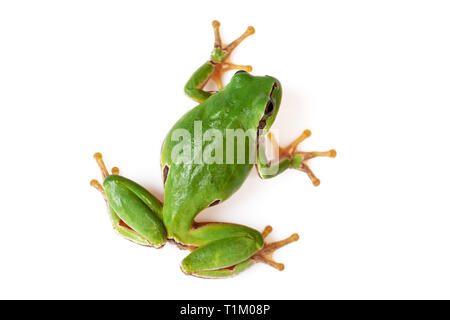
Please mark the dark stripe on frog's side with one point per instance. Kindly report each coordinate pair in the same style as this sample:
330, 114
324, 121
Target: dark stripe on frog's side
267, 113
165, 173
214, 203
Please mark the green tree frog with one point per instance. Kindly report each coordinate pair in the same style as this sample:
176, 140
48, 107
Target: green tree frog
247, 104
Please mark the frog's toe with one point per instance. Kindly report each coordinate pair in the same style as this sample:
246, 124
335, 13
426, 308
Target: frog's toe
310, 155
101, 164
267, 230
104, 171
226, 50
97, 185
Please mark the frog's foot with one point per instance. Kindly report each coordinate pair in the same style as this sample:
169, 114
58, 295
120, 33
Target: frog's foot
101, 164
220, 56
299, 158
265, 254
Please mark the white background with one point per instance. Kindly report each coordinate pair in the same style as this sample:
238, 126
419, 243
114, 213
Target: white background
369, 78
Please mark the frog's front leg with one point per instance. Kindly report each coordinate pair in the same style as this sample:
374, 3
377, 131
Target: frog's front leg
216, 66
289, 157
135, 213
224, 250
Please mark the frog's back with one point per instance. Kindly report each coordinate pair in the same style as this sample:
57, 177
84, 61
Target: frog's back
194, 185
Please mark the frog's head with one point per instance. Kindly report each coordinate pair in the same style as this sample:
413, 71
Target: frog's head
262, 94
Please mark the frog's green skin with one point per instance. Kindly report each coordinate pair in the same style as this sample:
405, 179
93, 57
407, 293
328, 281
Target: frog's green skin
190, 188
218, 249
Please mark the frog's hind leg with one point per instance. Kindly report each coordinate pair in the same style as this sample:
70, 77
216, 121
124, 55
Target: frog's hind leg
264, 255
135, 213
221, 249
230, 250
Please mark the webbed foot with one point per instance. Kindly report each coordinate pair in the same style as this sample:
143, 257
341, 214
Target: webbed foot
299, 158
220, 56
265, 254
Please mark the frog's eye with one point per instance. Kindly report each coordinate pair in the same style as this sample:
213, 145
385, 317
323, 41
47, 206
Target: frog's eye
269, 108
241, 71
